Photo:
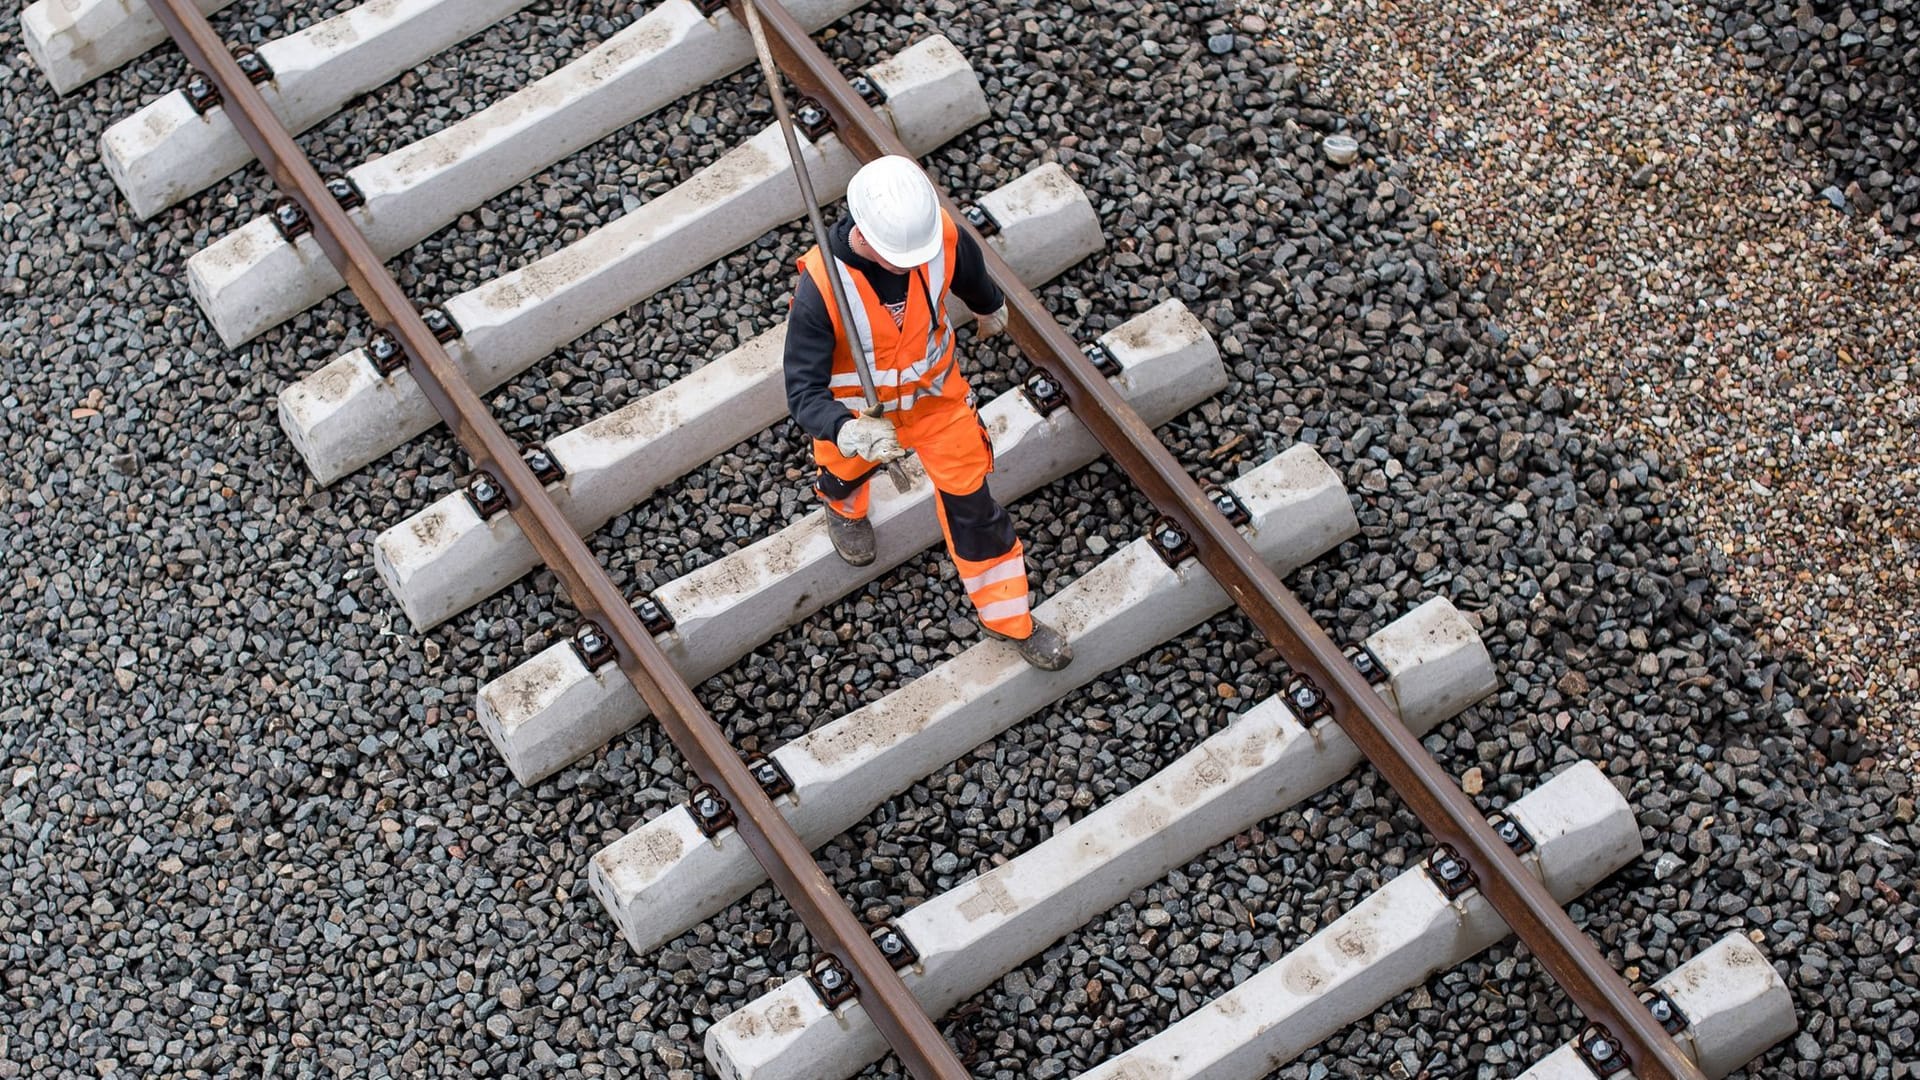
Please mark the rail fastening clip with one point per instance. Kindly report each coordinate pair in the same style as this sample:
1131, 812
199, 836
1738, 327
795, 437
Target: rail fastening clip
1101, 358
1306, 699
290, 219
546, 468
1045, 392
1600, 1051
653, 614
1510, 833
487, 495
1450, 873
1229, 505
253, 65
831, 981
894, 946
384, 352
593, 647
868, 90
1665, 1012
441, 324
812, 120
978, 217
1169, 541
711, 811
345, 191
1367, 664
769, 775
201, 93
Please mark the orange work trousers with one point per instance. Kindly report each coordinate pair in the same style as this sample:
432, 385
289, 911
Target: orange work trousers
954, 448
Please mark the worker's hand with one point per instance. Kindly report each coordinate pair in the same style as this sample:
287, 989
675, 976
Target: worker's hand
991, 323
869, 437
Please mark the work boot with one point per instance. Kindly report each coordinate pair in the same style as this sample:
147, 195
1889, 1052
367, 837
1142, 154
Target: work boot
852, 538
1045, 648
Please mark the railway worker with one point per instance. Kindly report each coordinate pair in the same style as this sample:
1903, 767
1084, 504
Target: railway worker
899, 256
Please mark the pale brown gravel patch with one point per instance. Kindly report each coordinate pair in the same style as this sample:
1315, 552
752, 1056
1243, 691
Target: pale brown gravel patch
1671, 259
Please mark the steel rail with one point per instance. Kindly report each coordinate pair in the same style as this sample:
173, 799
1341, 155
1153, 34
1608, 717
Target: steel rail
787, 859
1568, 954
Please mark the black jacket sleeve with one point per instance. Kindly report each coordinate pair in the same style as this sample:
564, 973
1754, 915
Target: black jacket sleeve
809, 364
970, 281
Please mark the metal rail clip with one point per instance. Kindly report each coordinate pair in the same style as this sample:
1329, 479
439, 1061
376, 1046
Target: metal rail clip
384, 352
1044, 392
978, 217
1229, 505
1600, 1051
1450, 873
487, 495
711, 810
769, 775
593, 647
831, 981
1170, 541
1306, 699
546, 468
1665, 1012
1510, 833
1101, 358
344, 191
441, 324
653, 614
290, 219
253, 65
201, 93
894, 946
812, 120
868, 90
1367, 664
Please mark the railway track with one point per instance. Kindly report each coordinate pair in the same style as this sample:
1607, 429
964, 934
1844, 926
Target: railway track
635, 659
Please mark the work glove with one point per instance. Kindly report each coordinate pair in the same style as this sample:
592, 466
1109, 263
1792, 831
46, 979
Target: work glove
871, 438
991, 323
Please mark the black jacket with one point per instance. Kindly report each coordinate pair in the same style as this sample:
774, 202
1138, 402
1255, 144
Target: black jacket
809, 355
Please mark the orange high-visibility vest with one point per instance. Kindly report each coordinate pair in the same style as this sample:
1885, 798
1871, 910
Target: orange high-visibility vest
911, 361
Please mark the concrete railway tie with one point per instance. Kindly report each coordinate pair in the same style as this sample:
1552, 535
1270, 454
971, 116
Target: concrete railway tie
1729, 1004
173, 148
74, 42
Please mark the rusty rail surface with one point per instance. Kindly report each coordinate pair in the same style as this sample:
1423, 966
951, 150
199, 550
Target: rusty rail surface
787, 859
1526, 905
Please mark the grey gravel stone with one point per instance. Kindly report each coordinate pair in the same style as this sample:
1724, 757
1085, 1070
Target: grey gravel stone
1847, 79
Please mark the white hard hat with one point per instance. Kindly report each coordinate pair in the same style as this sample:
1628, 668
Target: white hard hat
894, 205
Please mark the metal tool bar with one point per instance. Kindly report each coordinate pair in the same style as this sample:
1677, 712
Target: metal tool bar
1448, 814
896, 471
788, 862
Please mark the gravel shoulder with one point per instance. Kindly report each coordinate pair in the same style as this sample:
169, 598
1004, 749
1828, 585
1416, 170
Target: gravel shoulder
1667, 260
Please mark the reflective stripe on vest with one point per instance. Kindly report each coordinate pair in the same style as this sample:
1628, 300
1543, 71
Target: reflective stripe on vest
906, 366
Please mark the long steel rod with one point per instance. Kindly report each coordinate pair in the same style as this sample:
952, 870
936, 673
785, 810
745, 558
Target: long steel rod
896, 471
787, 859
801, 176
1567, 953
